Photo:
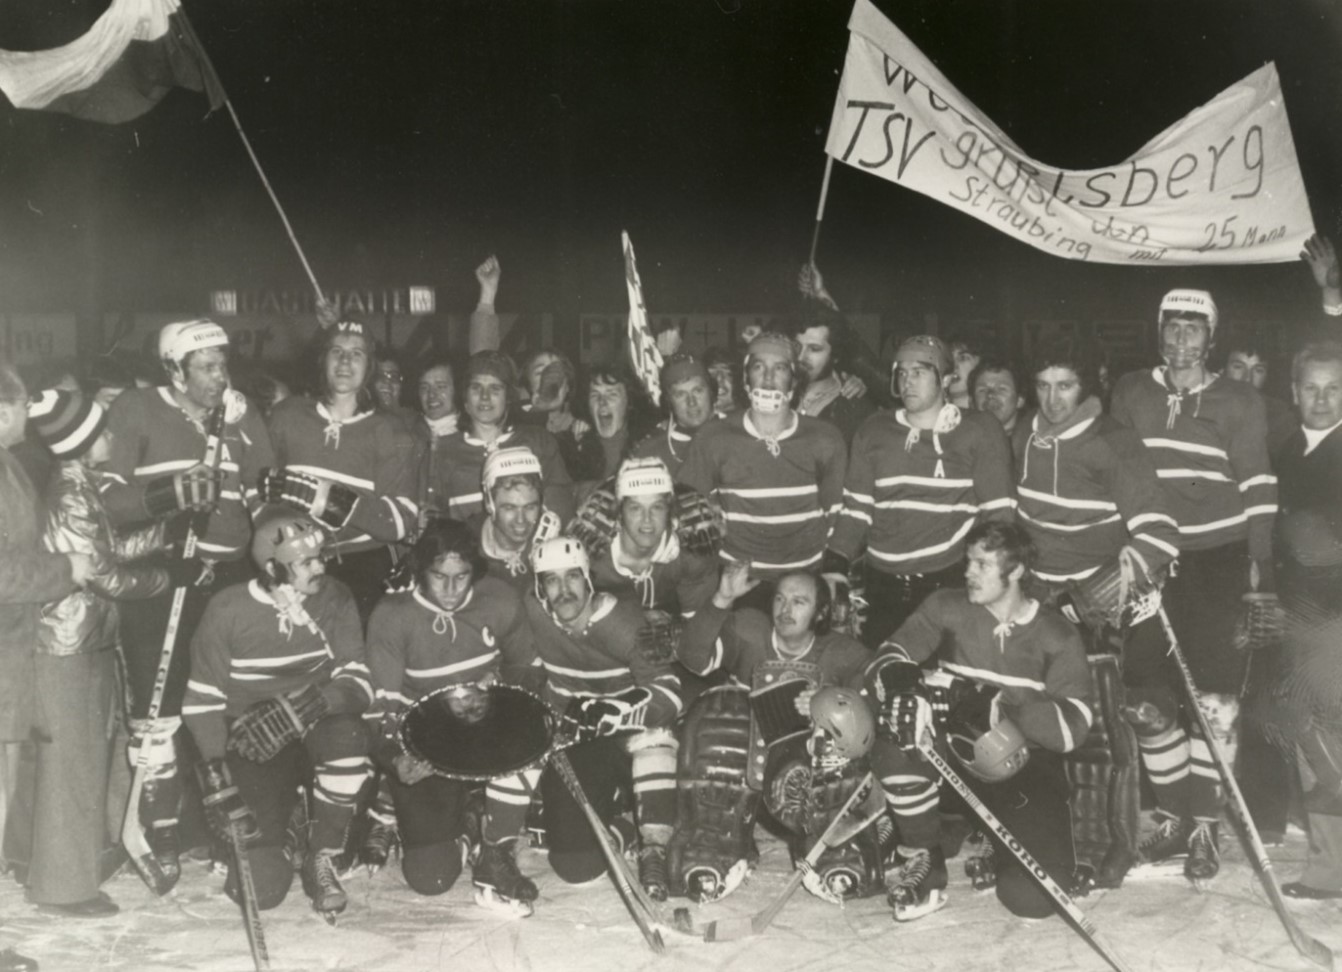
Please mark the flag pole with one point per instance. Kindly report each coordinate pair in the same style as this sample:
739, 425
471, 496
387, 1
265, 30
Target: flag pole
820, 210
247, 144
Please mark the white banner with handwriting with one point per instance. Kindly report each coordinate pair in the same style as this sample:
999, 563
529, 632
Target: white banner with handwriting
1220, 186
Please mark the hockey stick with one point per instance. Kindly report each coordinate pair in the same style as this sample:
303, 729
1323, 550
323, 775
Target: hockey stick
631, 891
1310, 948
1050, 886
839, 831
251, 912
132, 835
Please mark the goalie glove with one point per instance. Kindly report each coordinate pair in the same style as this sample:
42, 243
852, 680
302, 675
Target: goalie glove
225, 810
196, 488
604, 715
1262, 623
271, 724
330, 503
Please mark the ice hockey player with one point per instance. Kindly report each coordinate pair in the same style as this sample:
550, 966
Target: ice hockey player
650, 540
777, 475
156, 471
919, 477
1208, 437
459, 626
737, 745
1012, 680
347, 464
599, 678
515, 517
1090, 500
688, 394
278, 686
488, 400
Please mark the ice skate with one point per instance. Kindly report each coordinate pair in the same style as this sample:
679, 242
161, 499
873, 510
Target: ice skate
918, 886
321, 883
379, 844
1162, 854
981, 866
1204, 854
652, 871
499, 885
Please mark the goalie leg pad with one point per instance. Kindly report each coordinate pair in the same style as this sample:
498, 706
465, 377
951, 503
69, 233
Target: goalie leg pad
1103, 775
713, 847
852, 870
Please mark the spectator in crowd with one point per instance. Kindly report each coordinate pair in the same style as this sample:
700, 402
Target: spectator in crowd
997, 389
967, 352
824, 353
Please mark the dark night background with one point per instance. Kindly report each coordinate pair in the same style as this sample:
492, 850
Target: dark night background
408, 139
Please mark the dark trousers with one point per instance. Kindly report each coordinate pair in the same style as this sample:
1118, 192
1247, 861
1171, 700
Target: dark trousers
602, 767
431, 816
891, 598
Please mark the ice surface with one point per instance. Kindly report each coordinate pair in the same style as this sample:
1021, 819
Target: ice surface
1155, 924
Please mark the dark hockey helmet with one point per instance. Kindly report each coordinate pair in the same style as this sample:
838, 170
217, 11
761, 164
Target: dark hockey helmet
842, 715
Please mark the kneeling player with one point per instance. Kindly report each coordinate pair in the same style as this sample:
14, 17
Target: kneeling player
458, 626
1014, 676
278, 679
600, 668
736, 745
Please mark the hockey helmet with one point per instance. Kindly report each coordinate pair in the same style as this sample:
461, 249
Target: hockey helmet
991, 753
643, 477
502, 463
178, 340
285, 536
1183, 301
842, 715
559, 554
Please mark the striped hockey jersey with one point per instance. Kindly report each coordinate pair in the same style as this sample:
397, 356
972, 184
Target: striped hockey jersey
1210, 450
1087, 491
779, 496
244, 651
460, 462
912, 495
737, 641
371, 453
415, 647
153, 437
1038, 663
605, 659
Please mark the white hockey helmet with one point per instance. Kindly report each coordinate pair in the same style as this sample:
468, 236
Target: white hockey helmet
1183, 301
990, 754
643, 477
559, 554
179, 339
502, 463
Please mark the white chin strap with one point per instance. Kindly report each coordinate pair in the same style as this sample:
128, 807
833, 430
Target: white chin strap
768, 401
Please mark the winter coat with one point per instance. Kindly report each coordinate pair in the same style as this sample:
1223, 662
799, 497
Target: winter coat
29, 576
77, 522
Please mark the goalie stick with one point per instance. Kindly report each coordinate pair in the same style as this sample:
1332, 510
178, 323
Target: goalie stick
842, 828
640, 906
132, 835
1050, 886
1310, 948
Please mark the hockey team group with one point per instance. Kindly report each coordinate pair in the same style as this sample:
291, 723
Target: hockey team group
783, 606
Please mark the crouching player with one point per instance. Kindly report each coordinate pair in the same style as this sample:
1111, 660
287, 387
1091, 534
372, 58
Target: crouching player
1012, 679
741, 744
601, 676
278, 680
457, 626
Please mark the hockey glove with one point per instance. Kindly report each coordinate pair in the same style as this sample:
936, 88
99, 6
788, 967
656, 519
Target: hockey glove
905, 712
225, 810
330, 503
699, 526
591, 718
196, 488
271, 724
186, 573
1262, 624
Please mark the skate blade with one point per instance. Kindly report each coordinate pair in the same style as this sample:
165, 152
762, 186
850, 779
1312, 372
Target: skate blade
490, 900
329, 917
1156, 870
936, 900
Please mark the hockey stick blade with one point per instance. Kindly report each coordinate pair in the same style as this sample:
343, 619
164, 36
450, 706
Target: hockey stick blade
1051, 887
844, 827
1311, 948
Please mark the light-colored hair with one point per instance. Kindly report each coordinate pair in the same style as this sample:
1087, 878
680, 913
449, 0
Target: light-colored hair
1316, 352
